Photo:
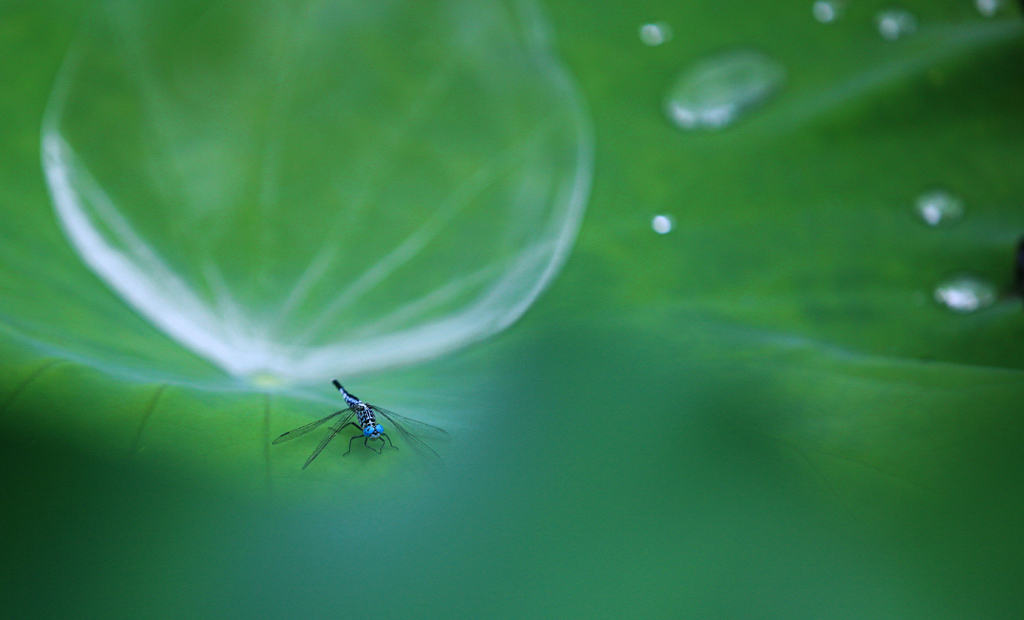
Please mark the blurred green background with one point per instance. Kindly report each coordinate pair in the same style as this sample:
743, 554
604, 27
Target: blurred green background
763, 413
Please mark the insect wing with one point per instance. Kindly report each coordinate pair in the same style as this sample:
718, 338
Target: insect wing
302, 430
414, 426
326, 440
400, 422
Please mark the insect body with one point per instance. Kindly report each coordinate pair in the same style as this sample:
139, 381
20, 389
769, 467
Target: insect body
366, 416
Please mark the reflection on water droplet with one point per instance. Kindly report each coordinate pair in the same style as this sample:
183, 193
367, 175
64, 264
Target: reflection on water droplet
662, 224
988, 8
714, 92
895, 24
655, 33
228, 232
827, 11
265, 380
965, 294
939, 208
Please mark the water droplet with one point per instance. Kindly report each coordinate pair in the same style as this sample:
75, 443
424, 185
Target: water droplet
162, 221
965, 294
662, 224
895, 24
939, 208
715, 91
655, 33
988, 8
827, 11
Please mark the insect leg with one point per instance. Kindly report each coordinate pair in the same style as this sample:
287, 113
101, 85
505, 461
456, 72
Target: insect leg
350, 440
367, 444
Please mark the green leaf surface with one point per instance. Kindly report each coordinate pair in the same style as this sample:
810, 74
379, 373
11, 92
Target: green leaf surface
774, 368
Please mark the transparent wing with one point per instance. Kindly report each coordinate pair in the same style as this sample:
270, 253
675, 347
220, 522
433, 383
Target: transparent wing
414, 426
326, 440
302, 430
400, 422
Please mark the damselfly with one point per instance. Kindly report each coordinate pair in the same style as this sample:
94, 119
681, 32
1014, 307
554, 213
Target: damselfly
366, 419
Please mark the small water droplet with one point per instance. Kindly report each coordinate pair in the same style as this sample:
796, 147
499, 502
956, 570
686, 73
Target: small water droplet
939, 208
965, 294
988, 8
662, 224
655, 33
895, 24
715, 91
828, 11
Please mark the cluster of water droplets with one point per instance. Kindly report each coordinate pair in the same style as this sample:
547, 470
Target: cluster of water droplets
714, 92
963, 293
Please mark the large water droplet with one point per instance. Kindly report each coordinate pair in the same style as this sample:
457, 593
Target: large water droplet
655, 33
827, 11
662, 224
328, 190
939, 208
715, 91
988, 8
895, 24
965, 294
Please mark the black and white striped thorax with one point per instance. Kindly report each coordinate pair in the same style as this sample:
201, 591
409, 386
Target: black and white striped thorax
364, 412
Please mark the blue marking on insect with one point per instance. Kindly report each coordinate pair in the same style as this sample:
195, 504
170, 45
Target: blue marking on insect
366, 419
